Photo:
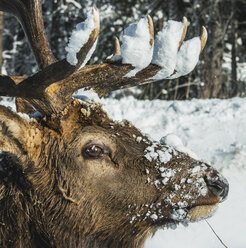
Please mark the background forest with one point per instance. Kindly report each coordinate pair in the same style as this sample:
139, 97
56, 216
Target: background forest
221, 72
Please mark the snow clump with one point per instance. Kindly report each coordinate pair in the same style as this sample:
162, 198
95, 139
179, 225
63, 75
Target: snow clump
79, 37
160, 155
179, 214
166, 48
187, 57
136, 48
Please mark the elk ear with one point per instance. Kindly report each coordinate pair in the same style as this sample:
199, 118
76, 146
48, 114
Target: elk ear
16, 133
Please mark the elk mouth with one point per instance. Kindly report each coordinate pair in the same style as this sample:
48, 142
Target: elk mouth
188, 214
200, 212
195, 212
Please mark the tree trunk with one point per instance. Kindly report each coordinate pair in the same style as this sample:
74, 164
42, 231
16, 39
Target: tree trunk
234, 35
1, 40
211, 69
175, 10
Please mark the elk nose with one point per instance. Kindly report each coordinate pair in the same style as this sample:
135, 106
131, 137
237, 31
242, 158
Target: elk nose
218, 186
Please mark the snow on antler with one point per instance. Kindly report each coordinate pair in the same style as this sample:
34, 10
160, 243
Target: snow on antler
175, 57
166, 48
187, 57
80, 37
136, 64
137, 45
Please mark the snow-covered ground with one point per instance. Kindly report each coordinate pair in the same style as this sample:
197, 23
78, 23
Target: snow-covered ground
216, 131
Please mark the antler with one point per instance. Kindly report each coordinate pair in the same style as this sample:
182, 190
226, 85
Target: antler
139, 60
29, 14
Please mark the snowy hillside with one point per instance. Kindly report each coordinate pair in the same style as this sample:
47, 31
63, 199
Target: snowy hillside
216, 131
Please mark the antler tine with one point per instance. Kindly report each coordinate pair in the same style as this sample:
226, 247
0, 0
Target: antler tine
185, 22
78, 58
203, 37
117, 47
151, 29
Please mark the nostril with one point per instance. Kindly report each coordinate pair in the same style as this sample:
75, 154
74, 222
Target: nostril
218, 186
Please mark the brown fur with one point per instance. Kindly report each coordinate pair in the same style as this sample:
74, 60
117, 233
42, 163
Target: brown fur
52, 195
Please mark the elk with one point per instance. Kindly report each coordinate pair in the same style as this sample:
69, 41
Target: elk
71, 176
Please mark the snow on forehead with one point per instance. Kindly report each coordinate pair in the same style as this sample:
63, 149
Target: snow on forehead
136, 49
166, 48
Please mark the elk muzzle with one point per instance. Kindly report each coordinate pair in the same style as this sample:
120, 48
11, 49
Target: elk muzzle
218, 186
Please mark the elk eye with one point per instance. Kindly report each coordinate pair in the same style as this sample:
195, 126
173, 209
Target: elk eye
93, 151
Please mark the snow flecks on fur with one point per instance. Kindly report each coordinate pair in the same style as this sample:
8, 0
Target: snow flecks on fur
154, 217
179, 214
136, 48
186, 189
160, 155
79, 37
166, 175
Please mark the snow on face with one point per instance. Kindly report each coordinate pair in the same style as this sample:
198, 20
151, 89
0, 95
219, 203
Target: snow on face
166, 48
136, 49
179, 186
162, 155
79, 37
174, 205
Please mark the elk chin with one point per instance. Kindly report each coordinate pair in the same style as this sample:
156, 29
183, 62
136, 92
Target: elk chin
201, 212
193, 214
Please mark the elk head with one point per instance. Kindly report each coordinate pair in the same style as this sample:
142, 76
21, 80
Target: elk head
89, 181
